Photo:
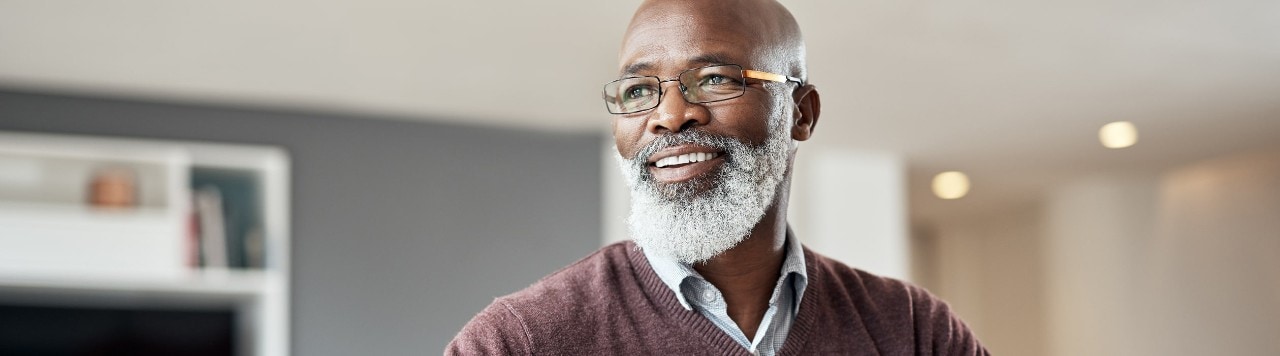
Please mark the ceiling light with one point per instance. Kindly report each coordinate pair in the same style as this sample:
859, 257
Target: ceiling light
950, 185
1119, 134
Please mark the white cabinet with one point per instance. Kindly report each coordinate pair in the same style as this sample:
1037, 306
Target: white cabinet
61, 240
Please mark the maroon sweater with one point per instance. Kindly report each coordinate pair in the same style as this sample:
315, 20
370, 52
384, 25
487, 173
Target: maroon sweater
612, 303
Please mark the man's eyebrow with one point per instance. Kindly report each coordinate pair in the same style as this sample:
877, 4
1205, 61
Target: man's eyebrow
635, 68
709, 59
698, 60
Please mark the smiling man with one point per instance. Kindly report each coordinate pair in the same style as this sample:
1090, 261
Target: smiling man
711, 103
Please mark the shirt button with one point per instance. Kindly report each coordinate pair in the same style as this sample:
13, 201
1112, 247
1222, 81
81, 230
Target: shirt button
708, 295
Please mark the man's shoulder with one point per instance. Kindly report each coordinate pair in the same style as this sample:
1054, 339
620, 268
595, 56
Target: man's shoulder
874, 298
842, 277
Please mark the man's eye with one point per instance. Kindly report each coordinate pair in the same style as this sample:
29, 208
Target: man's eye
716, 79
637, 92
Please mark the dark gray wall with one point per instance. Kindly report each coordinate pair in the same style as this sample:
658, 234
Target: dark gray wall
401, 230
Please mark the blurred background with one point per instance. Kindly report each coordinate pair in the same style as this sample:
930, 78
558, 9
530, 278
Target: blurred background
361, 177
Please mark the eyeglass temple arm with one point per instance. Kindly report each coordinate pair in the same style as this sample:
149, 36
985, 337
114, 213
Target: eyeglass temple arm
755, 74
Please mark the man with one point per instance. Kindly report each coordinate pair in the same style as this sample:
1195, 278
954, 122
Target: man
711, 104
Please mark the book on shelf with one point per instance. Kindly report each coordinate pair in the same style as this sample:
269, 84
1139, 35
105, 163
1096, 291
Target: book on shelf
228, 204
213, 228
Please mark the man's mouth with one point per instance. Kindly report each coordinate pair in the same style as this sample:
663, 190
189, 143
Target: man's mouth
676, 161
683, 163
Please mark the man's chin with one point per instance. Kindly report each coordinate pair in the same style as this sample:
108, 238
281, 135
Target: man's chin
684, 191
690, 244
686, 256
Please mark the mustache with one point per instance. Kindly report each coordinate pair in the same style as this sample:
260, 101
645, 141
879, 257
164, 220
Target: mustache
723, 143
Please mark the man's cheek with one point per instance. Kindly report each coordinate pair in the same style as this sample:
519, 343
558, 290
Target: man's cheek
622, 147
628, 147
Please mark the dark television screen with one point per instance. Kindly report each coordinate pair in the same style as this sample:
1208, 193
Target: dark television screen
44, 330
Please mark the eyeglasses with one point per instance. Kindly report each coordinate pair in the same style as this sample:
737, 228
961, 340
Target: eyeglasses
698, 85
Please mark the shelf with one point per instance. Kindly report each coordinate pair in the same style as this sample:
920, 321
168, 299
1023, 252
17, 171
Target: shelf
67, 237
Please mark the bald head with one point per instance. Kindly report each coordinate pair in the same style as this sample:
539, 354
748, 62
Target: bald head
769, 34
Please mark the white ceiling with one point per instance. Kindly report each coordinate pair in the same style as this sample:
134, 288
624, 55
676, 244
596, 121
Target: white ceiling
1011, 92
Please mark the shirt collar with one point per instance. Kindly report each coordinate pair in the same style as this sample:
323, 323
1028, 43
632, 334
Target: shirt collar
673, 274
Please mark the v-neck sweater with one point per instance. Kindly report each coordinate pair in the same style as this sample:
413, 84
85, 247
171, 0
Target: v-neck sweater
613, 303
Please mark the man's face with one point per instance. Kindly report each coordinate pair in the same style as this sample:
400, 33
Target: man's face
730, 156
666, 40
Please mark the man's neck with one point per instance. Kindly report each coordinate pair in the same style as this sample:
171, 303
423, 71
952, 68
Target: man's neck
747, 274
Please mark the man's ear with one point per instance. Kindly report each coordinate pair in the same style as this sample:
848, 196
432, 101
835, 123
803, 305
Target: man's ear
805, 116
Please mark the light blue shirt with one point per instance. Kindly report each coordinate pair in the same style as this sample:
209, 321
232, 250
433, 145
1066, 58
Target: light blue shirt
695, 292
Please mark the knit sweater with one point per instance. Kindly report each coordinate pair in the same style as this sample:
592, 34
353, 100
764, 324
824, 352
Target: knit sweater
612, 303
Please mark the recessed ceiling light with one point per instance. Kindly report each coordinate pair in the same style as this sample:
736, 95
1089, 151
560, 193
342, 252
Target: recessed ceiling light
950, 185
1119, 134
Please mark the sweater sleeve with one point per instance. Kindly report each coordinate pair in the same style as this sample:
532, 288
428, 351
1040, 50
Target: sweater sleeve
497, 330
940, 332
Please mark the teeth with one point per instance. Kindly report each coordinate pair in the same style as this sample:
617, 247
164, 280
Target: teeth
685, 158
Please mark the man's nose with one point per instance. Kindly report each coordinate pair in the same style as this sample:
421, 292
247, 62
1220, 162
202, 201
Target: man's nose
675, 114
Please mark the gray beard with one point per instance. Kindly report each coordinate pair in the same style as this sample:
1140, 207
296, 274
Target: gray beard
691, 226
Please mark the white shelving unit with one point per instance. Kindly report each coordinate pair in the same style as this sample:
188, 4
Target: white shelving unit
54, 247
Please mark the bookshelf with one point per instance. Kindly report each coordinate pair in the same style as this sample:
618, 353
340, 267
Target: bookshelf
69, 236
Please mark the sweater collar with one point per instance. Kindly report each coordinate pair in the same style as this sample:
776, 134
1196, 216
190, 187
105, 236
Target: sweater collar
674, 274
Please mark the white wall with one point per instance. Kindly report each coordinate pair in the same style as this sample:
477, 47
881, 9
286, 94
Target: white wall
988, 269
1094, 230
1185, 261
1212, 272
850, 205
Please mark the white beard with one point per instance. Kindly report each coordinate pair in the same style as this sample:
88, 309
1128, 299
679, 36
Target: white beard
678, 221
